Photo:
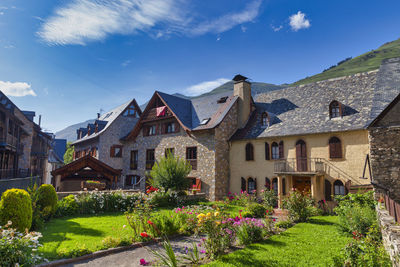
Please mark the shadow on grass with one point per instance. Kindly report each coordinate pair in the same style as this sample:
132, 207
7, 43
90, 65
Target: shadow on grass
321, 222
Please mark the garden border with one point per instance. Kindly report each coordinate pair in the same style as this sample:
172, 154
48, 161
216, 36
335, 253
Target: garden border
102, 253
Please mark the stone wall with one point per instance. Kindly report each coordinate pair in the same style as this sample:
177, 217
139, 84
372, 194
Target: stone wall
385, 159
390, 234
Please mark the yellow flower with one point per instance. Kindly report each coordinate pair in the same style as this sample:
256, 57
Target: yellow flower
218, 222
200, 216
216, 214
209, 214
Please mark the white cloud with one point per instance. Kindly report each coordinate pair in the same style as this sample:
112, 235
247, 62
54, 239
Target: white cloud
82, 21
276, 28
298, 21
125, 63
204, 87
243, 28
229, 21
16, 89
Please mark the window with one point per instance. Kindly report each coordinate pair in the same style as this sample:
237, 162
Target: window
267, 183
150, 158
222, 100
170, 127
275, 185
152, 130
204, 121
281, 151
264, 119
251, 186
267, 155
169, 151
131, 180
116, 151
335, 109
335, 148
339, 188
131, 111
275, 150
328, 190
134, 160
249, 152
191, 156
242, 185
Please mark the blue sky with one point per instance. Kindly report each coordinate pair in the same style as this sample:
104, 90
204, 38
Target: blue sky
68, 59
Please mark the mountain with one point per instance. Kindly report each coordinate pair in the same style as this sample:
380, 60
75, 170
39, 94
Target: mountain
365, 62
69, 133
256, 88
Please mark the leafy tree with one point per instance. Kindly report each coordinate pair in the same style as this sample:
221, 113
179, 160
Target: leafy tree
171, 173
69, 153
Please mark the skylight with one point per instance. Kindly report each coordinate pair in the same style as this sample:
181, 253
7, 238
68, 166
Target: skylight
204, 121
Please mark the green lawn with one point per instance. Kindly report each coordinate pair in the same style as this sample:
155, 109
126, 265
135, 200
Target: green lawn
89, 231
305, 244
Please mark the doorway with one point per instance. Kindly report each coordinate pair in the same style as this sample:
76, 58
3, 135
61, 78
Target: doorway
301, 156
302, 184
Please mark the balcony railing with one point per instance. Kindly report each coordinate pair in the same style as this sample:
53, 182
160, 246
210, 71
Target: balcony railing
9, 140
299, 165
19, 173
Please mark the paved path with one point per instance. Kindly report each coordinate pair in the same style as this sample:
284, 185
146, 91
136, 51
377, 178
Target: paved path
131, 257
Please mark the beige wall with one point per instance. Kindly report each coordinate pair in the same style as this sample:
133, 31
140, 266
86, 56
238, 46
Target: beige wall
355, 147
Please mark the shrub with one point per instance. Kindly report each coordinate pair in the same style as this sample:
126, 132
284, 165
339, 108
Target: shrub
270, 198
16, 206
356, 212
171, 173
163, 199
299, 205
74, 252
113, 242
257, 210
67, 206
18, 249
284, 224
250, 230
47, 200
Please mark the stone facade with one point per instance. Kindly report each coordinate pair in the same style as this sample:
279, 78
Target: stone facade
384, 137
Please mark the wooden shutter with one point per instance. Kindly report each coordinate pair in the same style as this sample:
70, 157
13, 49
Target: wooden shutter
112, 151
267, 152
281, 153
176, 127
145, 131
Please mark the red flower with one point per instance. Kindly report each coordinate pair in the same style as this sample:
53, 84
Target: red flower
150, 222
273, 219
143, 262
144, 234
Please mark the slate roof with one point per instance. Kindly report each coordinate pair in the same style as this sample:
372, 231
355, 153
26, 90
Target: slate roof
106, 120
304, 109
59, 146
191, 112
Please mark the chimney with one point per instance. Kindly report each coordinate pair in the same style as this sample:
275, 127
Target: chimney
40, 119
242, 89
98, 115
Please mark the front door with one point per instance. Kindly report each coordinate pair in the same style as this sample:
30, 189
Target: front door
302, 184
301, 156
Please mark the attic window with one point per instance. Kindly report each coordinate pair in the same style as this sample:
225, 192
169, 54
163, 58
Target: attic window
265, 119
335, 109
204, 121
222, 100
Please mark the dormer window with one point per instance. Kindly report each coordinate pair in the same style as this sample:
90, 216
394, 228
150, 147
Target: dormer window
131, 111
265, 119
222, 100
335, 109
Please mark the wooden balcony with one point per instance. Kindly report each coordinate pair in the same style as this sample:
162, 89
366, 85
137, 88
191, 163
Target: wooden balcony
19, 173
300, 166
152, 115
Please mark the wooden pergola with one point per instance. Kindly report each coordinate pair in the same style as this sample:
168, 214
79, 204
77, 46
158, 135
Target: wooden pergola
86, 168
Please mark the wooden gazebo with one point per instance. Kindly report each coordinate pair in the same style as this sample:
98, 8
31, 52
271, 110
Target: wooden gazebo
70, 176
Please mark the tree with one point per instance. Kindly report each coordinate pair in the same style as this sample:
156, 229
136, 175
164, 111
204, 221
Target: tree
69, 153
171, 173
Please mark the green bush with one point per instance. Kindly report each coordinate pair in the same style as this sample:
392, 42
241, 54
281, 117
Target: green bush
257, 210
163, 199
299, 205
16, 206
67, 206
284, 224
270, 198
356, 212
47, 200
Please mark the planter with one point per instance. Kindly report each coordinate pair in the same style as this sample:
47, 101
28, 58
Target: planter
93, 186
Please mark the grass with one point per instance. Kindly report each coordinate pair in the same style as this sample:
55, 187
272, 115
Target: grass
88, 231
306, 244
365, 62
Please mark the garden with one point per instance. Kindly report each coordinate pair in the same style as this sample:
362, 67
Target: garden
241, 230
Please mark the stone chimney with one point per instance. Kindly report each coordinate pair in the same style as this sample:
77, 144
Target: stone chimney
242, 89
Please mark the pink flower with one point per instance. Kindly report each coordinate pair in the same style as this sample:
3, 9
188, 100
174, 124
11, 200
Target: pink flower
143, 262
202, 251
273, 220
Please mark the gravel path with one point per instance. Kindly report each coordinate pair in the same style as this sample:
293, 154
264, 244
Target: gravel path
131, 257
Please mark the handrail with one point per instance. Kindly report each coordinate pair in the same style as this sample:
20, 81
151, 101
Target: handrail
340, 171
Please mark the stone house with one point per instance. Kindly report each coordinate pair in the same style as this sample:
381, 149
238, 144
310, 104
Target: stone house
101, 139
384, 137
312, 137
197, 130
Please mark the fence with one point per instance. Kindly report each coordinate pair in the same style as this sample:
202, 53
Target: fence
392, 206
21, 183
